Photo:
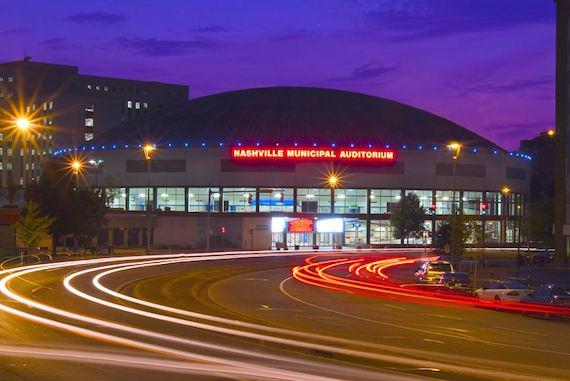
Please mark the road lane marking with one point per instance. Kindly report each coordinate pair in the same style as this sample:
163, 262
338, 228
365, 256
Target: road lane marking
525, 332
443, 316
434, 341
397, 307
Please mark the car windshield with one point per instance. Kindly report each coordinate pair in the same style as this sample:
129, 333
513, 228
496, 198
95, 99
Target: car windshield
441, 267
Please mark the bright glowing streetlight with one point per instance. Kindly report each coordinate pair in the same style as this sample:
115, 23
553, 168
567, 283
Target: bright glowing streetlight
333, 180
505, 190
148, 149
551, 133
22, 123
455, 148
76, 166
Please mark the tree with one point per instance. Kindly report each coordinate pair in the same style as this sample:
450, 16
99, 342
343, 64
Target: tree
537, 223
32, 227
79, 212
463, 231
407, 217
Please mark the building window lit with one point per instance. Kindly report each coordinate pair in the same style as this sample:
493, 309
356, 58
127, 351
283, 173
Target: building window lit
198, 199
494, 203
444, 200
137, 105
314, 200
492, 231
10, 79
145, 105
170, 199
130, 104
355, 231
276, 199
116, 198
9, 166
238, 200
138, 198
88, 136
381, 200
88, 122
472, 202
51, 105
351, 201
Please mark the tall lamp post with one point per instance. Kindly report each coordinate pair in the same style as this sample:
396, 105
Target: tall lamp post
333, 182
148, 149
24, 126
455, 149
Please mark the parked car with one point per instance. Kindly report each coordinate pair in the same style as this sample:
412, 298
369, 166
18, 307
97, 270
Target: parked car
455, 279
549, 294
432, 271
543, 257
507, 291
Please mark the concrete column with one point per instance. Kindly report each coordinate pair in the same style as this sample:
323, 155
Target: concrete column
125, 237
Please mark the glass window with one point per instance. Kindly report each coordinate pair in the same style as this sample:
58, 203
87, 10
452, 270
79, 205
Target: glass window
381, 233
515, 204
172, 198
493, 231
381, 200
275, 199
198, 200
472, 202
238, 200
313, 200
443, 201
512, 231
138, 196
88, 122
425, 197
354, 231
116, 198
476, 231
350, 201
494, 203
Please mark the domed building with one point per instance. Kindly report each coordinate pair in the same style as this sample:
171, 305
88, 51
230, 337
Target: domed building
294, 167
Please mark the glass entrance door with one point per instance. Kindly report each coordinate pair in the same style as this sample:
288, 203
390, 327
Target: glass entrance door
301, 239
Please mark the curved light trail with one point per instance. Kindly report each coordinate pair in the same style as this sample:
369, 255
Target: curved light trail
373, 281
207, 357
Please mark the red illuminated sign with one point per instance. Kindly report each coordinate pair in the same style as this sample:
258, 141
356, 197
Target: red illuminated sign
301, 225
313, 154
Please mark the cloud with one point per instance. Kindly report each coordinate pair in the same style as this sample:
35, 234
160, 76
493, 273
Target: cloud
55, 43
156, 47
365, 72
417, 19
208, 29
509, 87
96, 18
294, 35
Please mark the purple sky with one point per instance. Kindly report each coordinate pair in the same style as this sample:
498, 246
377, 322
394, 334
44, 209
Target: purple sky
485, 64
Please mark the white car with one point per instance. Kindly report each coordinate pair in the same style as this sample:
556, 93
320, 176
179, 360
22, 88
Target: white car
432, 271
503, 291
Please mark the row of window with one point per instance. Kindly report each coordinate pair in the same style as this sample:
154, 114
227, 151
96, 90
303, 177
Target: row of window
310, 200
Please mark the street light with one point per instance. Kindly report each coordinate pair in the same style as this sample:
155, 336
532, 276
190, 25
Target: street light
23, 126
455, 148
551, 133
333, 180
76, 167
22, 123
148, 149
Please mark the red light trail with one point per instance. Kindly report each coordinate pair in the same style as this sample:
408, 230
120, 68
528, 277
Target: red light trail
339, 273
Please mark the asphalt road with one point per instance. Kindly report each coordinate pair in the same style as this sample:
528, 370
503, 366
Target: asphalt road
242, 316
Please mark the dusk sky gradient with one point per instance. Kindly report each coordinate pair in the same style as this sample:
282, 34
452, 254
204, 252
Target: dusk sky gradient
488, 65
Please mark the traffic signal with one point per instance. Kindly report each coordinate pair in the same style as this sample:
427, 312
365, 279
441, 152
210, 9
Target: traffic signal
432, 209
483, 208
223, 229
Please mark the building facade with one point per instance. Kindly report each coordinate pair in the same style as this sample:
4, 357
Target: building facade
66, 108
254, 168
